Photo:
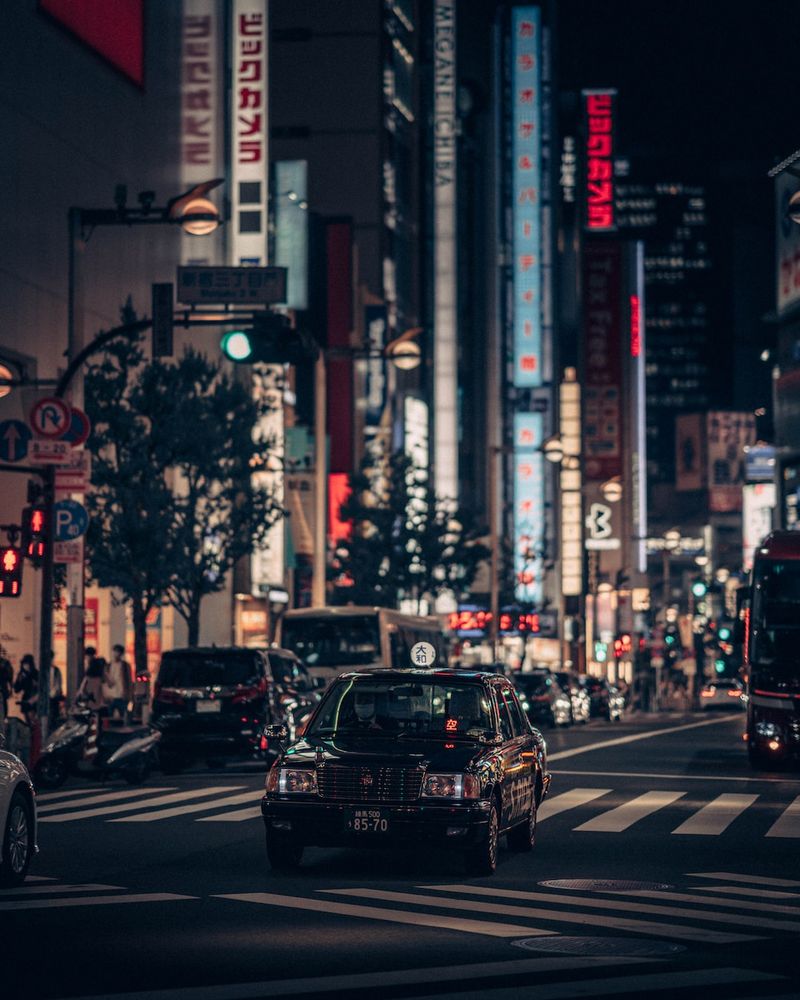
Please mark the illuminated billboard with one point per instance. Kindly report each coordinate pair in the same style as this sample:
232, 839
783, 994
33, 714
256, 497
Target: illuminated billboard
598, 113
529, 512
526, 148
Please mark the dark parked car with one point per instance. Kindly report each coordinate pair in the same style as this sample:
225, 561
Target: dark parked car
402, 757
543, 699
212, 703
607, 702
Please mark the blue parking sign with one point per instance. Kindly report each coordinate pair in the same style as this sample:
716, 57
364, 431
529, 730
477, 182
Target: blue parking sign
70, 520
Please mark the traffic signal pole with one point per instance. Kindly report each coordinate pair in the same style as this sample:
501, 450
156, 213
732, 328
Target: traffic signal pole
46, 624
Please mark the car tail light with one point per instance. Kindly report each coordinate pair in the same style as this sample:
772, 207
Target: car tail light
734, 694
250, 693
168, 696
263, 743
706, 694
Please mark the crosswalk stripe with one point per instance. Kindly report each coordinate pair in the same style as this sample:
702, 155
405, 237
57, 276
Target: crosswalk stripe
619, 819
150, 817
755, 879
141, 897
94, 800
65, 794
34, 890
716, 816
538, 913
164, 800
392, 916
719, 901
640, 985
237, 816
592, 902
575, 797
732, 890
788, 823
343, 985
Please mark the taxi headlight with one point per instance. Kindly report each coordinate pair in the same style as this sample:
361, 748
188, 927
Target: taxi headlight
287, 779
452, 786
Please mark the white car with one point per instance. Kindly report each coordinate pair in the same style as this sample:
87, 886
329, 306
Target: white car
17, 819
723, 693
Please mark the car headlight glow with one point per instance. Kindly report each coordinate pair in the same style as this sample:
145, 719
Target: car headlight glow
288, 779
768, 729
453, 786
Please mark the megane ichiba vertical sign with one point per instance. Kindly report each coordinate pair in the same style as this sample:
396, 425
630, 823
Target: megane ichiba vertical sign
526, 148
598, 107
529, 515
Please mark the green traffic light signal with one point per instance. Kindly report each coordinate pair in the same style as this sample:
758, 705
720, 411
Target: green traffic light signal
699, 589
724, 633
237, 345
719, 666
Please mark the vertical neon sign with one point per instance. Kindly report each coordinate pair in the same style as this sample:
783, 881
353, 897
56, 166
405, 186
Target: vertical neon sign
526, 148
528, 508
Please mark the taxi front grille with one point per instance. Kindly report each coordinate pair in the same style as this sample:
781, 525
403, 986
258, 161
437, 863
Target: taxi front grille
369, 784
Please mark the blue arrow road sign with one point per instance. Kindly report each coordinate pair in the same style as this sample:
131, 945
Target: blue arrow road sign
70, 519
14, 438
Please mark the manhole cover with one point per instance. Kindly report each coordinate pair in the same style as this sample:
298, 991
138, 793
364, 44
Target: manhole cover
602, 946
603, 884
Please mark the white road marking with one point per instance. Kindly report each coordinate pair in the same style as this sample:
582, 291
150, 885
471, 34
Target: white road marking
538, 913
141, 897
687, 897
667, 777
788, 824
327, 906
716, 816
732, 890
641, 985
34, 890
593, 902
635, 737
755, 879
52, 796
164, 800
552, 806
149, 817
342, 985
93, 800
237, 816
619, 819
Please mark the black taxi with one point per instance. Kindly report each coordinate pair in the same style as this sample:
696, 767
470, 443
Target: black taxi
400, 757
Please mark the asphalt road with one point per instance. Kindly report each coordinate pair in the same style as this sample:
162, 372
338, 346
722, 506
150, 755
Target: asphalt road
164, 891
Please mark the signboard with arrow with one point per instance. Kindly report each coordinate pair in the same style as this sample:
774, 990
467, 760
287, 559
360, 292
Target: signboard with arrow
14, 439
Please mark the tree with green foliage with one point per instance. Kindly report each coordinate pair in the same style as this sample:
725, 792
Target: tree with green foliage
406, 543
173, 504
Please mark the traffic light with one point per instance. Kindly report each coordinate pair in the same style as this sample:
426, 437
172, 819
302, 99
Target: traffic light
10, 571
699, 589
270, 340
719, 666
34, 533
623, 646
724, 633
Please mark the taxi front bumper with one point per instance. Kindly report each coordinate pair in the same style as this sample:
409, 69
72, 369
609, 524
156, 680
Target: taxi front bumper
332, 824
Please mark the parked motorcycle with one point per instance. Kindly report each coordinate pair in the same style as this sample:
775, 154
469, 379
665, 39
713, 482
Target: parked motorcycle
82, 746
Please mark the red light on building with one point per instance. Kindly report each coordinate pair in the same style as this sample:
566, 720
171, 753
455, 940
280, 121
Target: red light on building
636, 328
599, 119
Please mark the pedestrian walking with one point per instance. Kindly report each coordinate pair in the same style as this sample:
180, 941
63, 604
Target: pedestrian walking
117, 684
6, 683
56, 691
27, 685
91, 688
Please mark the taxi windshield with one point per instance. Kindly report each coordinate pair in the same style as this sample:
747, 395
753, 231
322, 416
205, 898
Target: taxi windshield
394, 707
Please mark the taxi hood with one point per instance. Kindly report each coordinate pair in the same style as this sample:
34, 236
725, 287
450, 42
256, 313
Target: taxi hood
368, 750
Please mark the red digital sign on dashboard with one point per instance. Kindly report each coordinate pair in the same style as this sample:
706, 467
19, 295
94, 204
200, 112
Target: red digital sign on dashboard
114, 31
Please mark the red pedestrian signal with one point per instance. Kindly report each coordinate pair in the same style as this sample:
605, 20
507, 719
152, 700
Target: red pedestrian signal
34, 533
10, 571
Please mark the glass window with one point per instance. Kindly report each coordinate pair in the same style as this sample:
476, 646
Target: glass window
195, 668
519, 723
351, 641
506, 726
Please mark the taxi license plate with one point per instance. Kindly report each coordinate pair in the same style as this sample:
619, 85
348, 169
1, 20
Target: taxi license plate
208, 706
367, 821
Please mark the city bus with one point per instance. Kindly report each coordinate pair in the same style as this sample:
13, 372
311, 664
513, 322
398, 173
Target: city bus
333, 640
772, 651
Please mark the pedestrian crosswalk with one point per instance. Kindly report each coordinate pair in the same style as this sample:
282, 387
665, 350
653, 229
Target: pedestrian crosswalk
587, 810
44, 893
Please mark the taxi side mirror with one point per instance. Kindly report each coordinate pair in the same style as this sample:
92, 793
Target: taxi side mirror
276, 732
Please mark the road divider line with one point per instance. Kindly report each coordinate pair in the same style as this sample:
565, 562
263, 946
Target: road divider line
788, 823
328, 906
140, 897
716, 816
93, 800
344, 984
37, 890
755, 879
557, 916
688, 897
617, 905
575, 797
635, 737
164, 800
624, 816
641, 985
150, 817
238, 816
